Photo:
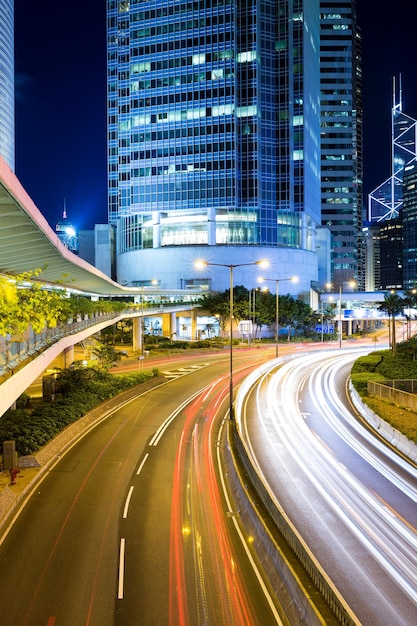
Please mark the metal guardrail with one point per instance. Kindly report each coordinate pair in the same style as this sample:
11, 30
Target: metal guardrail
18, 349
402, 392
327, 591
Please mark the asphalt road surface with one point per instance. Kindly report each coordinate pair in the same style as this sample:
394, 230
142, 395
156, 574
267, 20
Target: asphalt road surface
130, 526
352, 499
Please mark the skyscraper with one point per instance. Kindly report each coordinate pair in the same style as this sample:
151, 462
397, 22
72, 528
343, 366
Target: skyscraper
7, 142
213, 137
385, 202
341, 136
409, 219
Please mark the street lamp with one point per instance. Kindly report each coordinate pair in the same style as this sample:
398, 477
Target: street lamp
328, 285
199, 265
351, 284
252, 311
293, 279
141, 345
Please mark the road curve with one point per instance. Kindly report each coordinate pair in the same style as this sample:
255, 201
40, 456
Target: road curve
131, 526
352, 499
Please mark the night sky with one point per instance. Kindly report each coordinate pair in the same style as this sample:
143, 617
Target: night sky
60, 63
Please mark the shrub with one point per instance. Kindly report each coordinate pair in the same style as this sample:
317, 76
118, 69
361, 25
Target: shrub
360, 381
367, 363
80, 390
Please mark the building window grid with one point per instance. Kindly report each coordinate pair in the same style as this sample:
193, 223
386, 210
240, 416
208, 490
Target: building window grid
268, 178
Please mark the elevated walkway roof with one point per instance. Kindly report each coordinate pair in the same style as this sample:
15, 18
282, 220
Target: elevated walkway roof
27, 243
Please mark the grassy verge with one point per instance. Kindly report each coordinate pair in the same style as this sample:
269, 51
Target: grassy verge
383, 365
402, 419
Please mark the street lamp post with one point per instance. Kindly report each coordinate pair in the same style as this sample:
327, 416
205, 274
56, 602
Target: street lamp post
322, 323
351, 284
141, 344
252, 312
277, 281
340, 316
201, 264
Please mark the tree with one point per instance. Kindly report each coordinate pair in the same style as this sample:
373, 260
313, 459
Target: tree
294, 314
409, 301
106, 355
392, 305
217, 304
26, 302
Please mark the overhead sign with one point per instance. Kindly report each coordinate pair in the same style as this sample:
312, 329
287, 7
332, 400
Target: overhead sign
245, 327
328, 329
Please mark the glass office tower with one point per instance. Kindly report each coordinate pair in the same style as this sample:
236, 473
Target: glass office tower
409, 221
341, 138
7, 142
213, 137
385, 202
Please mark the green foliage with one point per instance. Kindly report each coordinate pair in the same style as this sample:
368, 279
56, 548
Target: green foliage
294, 315
25, 301
360, 380
384, 365
367, 363
392, 305
397, 366
107, 355
79, 391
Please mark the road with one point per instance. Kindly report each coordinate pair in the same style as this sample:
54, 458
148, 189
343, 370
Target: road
352, 499
131, 526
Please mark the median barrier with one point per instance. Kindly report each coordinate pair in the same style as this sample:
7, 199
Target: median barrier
322, 583
295, 599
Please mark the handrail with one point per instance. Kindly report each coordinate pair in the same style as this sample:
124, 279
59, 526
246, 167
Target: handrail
14, 353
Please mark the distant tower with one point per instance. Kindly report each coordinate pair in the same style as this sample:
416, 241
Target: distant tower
7, 110
385, 202
67, 233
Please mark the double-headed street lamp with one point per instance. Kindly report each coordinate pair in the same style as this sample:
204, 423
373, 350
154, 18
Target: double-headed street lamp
200, 265
351, 284
293, 279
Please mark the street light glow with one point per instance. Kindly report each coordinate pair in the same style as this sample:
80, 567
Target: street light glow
199, 264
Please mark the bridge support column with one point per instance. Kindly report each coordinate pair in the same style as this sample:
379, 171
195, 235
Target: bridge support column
173, 329
194, 324
66, 358
137, 334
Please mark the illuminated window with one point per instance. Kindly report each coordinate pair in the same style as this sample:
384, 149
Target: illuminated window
246, 57
198, 59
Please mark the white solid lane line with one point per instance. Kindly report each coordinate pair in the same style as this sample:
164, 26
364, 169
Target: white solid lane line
121, 569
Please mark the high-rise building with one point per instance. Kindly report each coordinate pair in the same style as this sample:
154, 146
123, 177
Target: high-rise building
7, 109
214, 138
341, 137
67, 233
385, 202
391, 254
409, 219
